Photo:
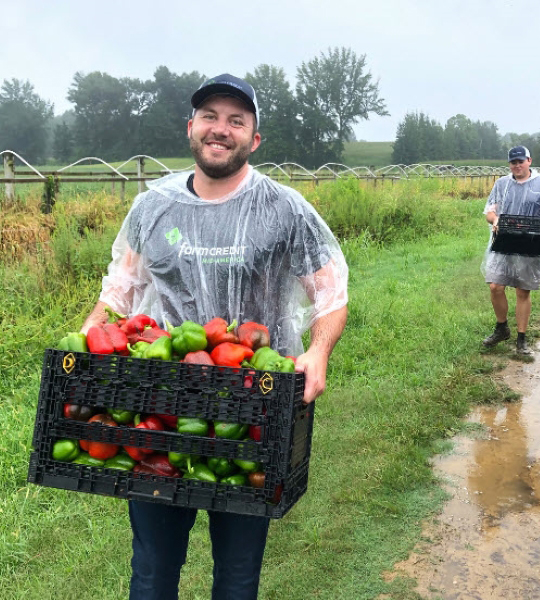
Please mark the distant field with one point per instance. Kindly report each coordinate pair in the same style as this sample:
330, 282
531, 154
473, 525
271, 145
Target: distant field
365, 154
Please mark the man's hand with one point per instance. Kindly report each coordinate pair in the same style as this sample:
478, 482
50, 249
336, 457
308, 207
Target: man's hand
313, 364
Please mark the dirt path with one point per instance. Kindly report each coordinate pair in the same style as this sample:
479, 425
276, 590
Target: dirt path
486, 542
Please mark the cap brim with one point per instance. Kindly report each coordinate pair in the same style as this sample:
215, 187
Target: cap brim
217, 89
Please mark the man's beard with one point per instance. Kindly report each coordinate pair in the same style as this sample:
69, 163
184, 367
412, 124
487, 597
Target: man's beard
237, 159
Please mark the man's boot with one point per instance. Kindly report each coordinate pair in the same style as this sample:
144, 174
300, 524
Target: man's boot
501, 333
521, 346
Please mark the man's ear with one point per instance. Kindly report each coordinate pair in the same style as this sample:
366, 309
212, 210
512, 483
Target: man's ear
256, 142
189, 126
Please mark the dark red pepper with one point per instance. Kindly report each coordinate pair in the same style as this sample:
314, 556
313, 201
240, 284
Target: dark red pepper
200, 357
157, 464
255, 432
150, 334
253, 335
107, 338
219, 331
169, 420
78, 412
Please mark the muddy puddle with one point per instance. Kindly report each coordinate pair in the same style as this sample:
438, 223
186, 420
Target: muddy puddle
486, 542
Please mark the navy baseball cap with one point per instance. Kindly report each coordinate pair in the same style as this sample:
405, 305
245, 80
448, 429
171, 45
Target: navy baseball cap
518, 153
227, 85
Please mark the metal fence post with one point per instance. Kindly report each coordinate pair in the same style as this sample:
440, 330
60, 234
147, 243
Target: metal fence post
9, 173
140, 173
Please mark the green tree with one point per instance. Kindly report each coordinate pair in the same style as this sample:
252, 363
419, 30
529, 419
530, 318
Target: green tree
334, 92
63, 147
107, 114
490, 140
164, 124
462, 139
24, 119
278, 120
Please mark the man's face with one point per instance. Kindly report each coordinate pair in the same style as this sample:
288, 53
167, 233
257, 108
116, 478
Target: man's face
520, 168
222, 136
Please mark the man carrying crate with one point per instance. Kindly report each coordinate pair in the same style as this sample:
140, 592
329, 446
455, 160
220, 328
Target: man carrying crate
223, 241
516, 194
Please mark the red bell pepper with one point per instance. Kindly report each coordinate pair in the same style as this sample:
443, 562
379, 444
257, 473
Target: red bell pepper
100, 450
253, 335
219, 331
228, 354
136, 325
107, 338
142, 328
152, 423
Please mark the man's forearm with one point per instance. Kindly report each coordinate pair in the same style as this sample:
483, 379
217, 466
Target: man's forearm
327, 330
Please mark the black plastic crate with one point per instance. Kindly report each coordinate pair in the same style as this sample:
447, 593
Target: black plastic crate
273, 400
517, 235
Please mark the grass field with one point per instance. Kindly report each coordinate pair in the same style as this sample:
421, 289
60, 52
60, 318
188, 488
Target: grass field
407, 370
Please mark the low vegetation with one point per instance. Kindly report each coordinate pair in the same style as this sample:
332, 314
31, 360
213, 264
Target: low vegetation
401, 380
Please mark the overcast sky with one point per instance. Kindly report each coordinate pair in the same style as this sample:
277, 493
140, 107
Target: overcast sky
474, 57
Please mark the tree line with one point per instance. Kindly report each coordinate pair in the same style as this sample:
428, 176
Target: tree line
115, 118
421, 139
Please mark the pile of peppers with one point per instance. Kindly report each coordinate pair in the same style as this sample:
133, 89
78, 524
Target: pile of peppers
214, 343
92, 453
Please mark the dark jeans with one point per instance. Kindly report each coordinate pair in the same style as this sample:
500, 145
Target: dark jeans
160, 541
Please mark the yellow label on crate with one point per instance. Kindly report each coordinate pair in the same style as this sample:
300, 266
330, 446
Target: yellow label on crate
266, 383
69, 363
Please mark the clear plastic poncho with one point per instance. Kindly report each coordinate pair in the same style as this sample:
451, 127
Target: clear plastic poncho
513, 198
262, 253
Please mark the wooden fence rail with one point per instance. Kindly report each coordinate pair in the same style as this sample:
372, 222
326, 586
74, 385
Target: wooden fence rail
288, 172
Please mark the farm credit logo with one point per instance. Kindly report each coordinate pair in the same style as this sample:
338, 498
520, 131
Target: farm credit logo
209, 255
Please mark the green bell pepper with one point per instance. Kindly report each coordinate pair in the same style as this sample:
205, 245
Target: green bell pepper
221, 466
230, 431
238, 479
120, 461
73, 342
65, 450
138, 349
121, 416
161, 349
200, 472
188, 337
192, 426
247, 466
85, 459
178, 459
266, 359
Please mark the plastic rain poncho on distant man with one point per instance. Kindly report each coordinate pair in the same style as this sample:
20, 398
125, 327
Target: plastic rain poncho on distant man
223, 241
514, 194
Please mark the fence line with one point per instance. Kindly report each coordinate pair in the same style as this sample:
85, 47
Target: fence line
281, 172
